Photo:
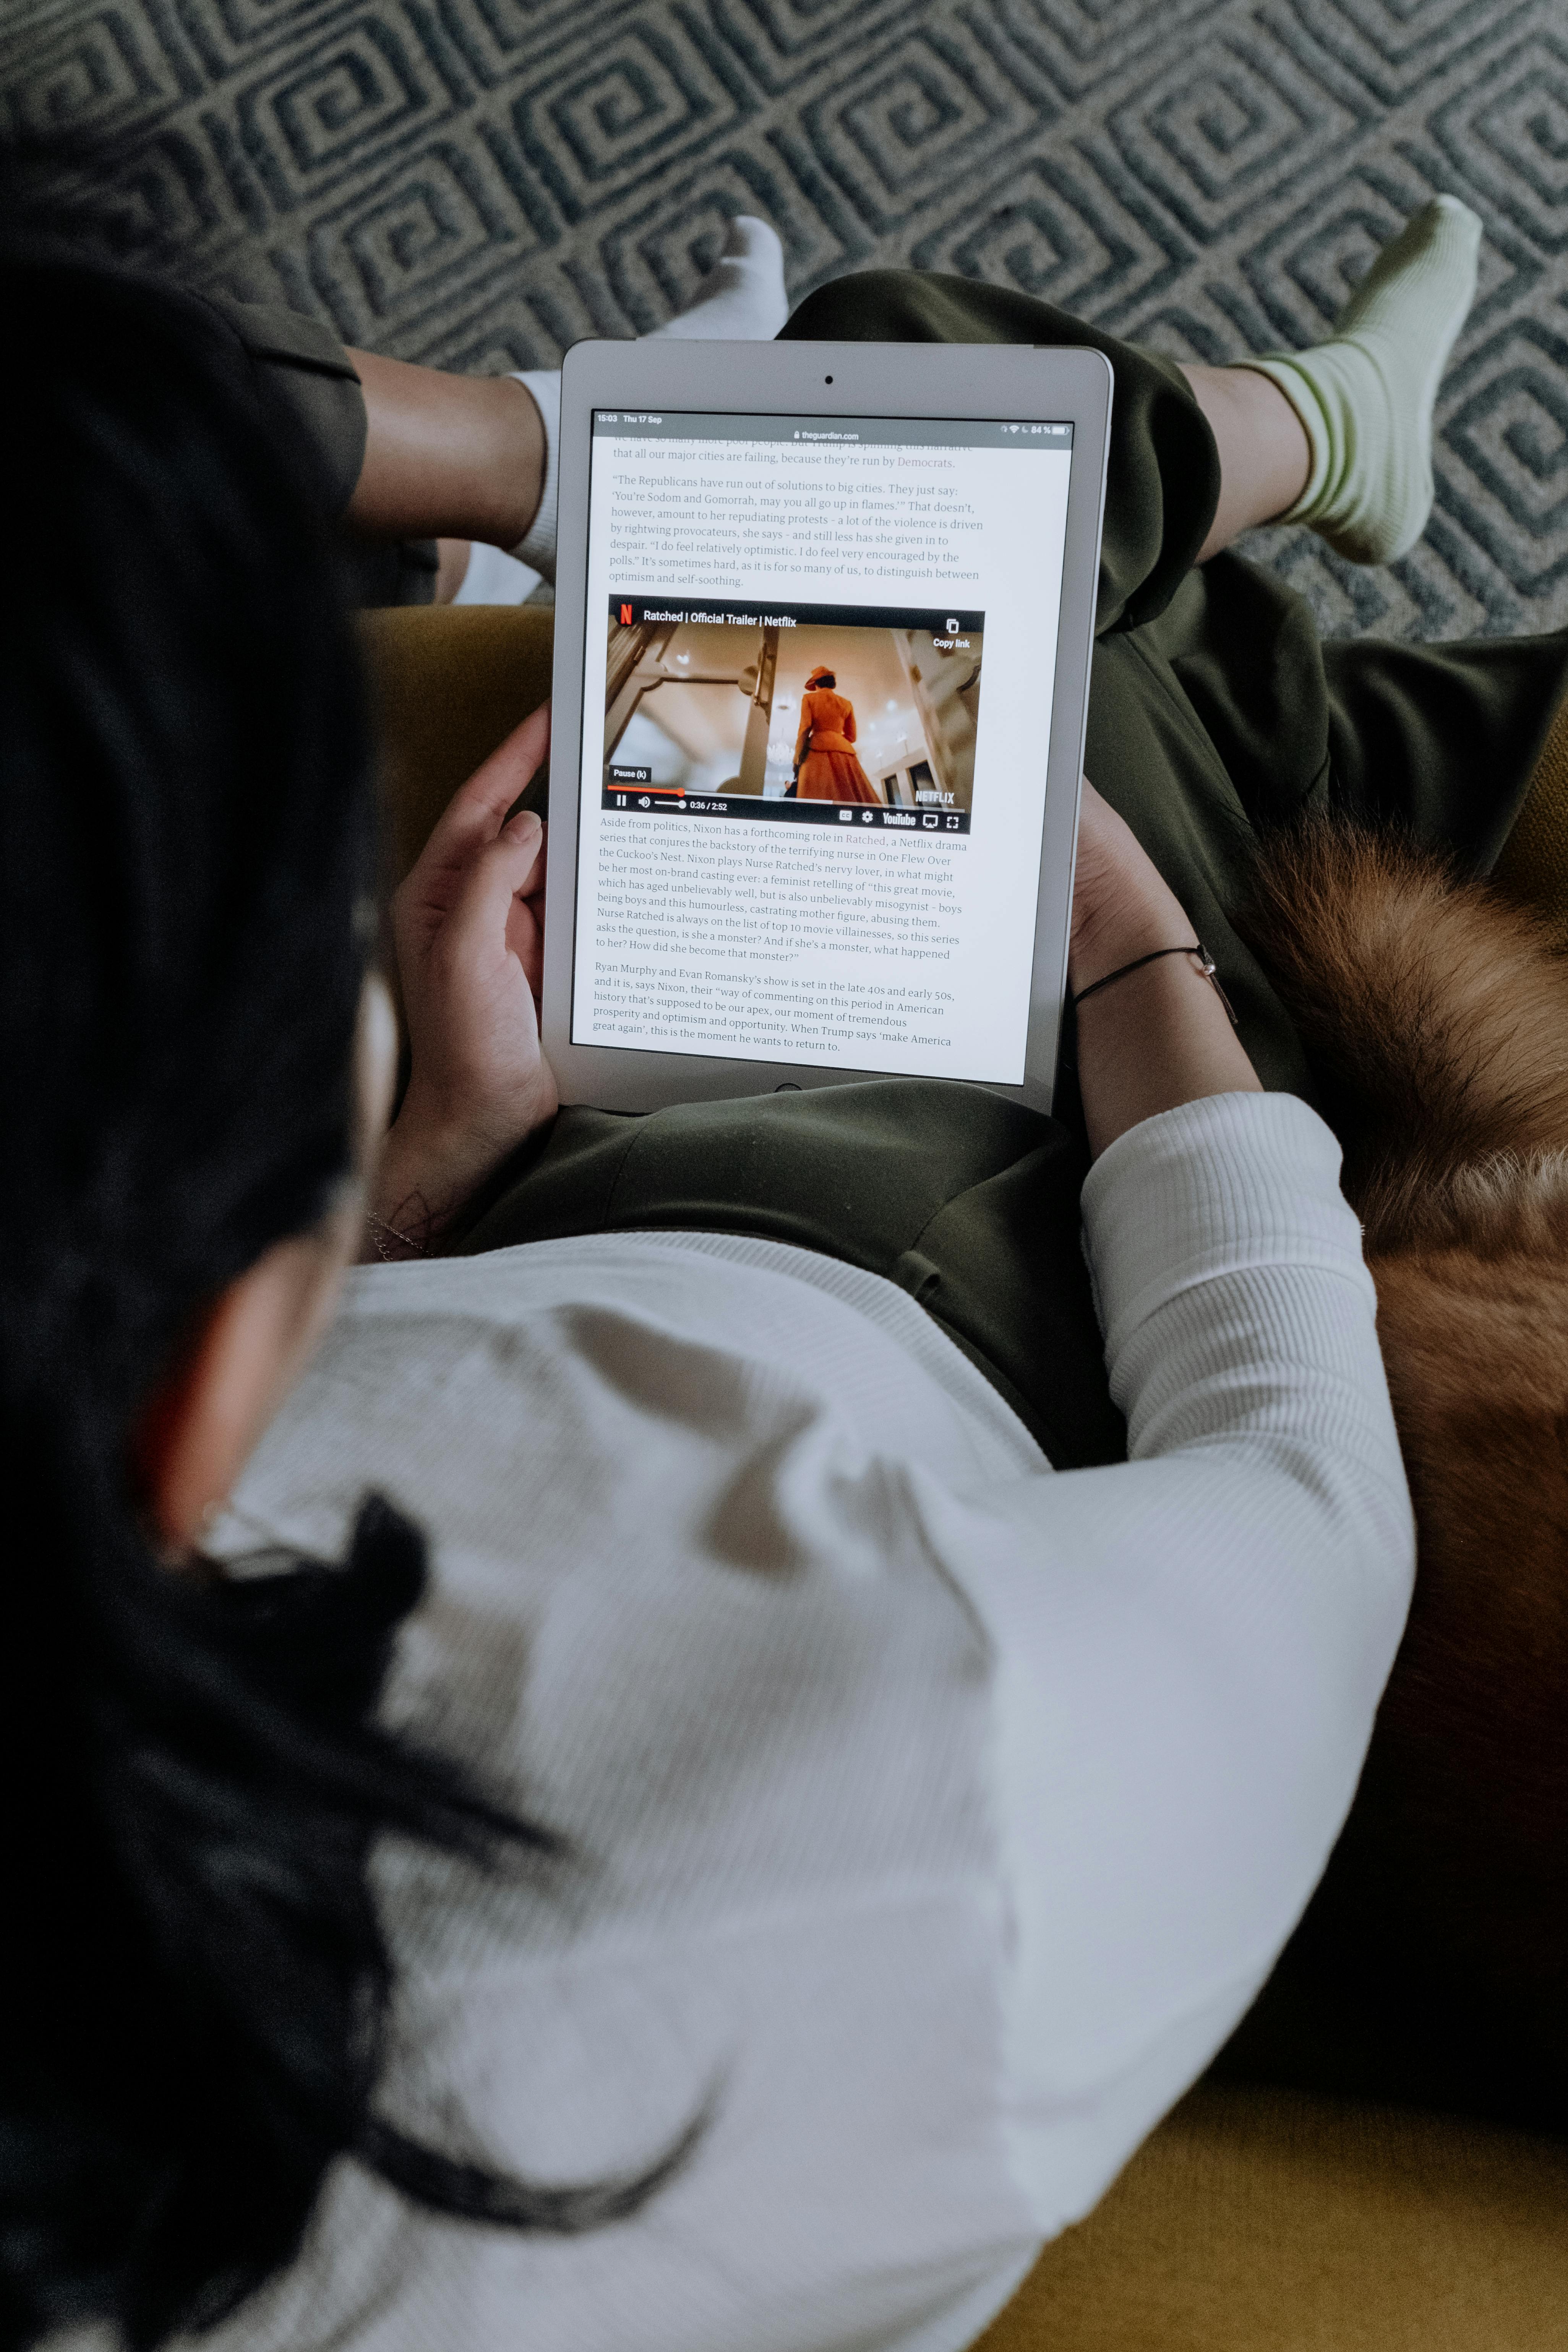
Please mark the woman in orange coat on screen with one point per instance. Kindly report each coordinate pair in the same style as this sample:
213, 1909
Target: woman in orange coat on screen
826, 766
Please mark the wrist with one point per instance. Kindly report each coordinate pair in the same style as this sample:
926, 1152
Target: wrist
1162, 1036
1134, 922
425, 1180
433, 1163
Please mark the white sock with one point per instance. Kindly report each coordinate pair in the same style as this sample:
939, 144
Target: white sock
1365, 397
741, 300
493, 578
742, 297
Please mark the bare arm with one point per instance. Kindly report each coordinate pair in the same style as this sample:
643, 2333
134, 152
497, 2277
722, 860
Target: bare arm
1160, 1036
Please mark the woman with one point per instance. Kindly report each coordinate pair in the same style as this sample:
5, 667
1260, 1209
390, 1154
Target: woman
911, 1823
826, 766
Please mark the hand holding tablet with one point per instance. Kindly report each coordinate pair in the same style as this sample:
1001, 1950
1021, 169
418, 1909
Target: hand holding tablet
821, 669
467, 931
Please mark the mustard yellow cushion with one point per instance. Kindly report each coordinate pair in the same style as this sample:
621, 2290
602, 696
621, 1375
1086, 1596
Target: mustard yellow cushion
1534, 863
449, 683
1267, 2221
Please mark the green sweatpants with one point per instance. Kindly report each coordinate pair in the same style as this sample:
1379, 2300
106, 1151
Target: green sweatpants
1215, 712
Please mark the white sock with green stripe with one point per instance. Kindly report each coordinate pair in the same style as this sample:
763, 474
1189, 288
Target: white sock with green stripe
1365, 397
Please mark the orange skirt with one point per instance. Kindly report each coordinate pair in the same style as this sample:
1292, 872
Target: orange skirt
835, 776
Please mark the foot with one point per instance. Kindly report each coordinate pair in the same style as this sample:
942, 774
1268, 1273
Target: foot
1366, 397
742, 297
486, 577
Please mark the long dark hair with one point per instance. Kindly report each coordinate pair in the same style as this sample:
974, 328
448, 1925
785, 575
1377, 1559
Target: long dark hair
194, 1977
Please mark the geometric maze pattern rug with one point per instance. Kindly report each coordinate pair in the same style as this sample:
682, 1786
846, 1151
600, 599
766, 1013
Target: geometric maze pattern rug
477, 183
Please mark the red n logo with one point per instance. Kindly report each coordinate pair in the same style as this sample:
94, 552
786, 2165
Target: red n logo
626, 617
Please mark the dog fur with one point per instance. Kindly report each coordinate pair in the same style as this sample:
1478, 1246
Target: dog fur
1435, 1015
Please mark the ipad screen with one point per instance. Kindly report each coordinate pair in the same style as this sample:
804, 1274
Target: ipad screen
818, 692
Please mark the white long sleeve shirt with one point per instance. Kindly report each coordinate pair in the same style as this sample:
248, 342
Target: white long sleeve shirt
932, 1815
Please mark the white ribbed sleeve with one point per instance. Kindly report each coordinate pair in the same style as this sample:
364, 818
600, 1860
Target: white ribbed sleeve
1192, 1646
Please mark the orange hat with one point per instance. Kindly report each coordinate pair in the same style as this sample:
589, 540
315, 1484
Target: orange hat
821, 670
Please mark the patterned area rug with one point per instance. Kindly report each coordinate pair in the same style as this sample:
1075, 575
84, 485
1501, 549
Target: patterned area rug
477, 183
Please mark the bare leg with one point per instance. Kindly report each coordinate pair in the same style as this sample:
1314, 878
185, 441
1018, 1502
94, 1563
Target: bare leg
458, 457
452, 567
446, 456
1264, 457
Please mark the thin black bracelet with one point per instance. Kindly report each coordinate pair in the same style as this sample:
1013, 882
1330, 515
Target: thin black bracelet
1196, 948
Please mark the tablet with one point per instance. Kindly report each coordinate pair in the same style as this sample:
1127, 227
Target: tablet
824, 617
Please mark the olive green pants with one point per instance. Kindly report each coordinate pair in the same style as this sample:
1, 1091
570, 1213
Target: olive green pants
1215, 712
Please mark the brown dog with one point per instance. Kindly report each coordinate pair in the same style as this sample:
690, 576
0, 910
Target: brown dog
1436, 1017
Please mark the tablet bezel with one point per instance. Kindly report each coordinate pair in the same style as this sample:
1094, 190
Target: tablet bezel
1058, 384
